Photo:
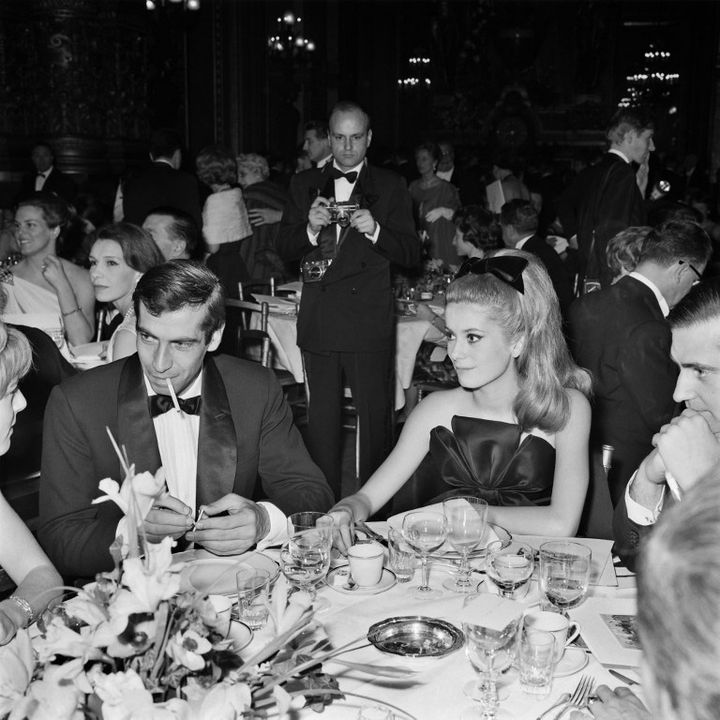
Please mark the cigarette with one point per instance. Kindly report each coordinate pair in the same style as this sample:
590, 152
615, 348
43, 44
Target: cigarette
173, 395
199, 517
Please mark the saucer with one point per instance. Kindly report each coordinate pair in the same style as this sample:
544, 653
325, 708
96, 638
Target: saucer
337, 579
573, 660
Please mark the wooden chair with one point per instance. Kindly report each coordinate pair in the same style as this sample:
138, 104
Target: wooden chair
246, 333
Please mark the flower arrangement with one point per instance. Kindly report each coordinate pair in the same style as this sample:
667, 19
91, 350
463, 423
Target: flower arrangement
132, 646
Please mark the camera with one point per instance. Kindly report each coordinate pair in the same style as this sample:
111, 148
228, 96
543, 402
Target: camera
314, 270
341, 212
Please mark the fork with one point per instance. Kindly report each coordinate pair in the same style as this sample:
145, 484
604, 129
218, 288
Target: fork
579, 698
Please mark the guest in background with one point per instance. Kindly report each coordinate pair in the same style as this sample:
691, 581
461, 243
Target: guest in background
162, 182
434, 204
175, 233
316, 142
476, 232
20, 556
46, 176
266, 202
42, 282
623, 251
225, 218
509, 170
119, 257
515, 432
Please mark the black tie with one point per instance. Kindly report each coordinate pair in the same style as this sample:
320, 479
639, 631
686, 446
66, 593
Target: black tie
336, 174
160, 404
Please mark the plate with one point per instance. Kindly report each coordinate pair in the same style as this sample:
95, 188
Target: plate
340, 575
573, 660
447, 553
217, 574
240, 634
416, 636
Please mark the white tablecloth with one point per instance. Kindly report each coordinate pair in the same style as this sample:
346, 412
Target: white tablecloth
436, 691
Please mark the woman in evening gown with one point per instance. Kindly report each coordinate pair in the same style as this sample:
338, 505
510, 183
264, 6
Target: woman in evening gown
516, 430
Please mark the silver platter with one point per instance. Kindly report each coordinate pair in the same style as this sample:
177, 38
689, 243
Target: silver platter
416, 636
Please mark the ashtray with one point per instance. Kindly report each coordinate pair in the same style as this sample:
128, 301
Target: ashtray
416, 636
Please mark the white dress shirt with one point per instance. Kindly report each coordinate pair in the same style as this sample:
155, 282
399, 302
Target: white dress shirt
40, 179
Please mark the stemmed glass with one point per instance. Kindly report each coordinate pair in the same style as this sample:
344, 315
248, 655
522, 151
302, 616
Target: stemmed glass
489, 651
466, 520
510, 568
305, 560
564, 573
425, 532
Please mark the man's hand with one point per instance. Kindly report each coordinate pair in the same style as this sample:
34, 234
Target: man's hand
622, 704
363, 221
264, 216
318, 215
244, 525
168, 516
688, 448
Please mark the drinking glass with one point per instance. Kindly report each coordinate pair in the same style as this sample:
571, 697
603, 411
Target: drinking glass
466, 520
425, 532
305, 560
321, 522
489, 651
564, 573
253, 590
536, 660
510, 568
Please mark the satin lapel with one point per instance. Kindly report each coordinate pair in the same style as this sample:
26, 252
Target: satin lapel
217, 445
135, 428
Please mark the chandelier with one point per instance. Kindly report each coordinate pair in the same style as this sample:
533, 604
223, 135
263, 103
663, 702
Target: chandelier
186, 4
288, 40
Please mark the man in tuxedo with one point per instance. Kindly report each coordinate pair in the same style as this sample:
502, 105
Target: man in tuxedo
46, 176
346, 326
686, 449
468, 182
519, 222
605, 198
621, 336
175, 233
232, 442
162, 183
316, 143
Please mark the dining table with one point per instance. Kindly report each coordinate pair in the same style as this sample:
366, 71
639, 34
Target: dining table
434, 687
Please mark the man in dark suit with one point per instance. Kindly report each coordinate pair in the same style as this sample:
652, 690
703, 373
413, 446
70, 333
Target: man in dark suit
162, 183
468, 181
687, 449
605, 198
346, 322
232, 443
46, 176
621, 336
519, 222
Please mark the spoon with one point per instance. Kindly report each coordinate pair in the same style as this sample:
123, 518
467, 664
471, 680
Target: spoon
350, 584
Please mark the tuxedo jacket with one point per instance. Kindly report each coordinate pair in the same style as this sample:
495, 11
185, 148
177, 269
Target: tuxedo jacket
555, 269
620, 335
352, 308
247, 445
56, 182
605, 199
160, 185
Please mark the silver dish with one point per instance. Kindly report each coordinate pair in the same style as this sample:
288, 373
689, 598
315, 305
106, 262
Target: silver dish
416, 636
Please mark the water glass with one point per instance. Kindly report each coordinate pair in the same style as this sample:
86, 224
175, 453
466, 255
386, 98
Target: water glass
564, 573
402, 557
510, 568
536, 659
466, 520
305, 560
426, 532
253, 590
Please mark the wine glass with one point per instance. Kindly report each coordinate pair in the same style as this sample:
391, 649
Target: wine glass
466, 520
489, 650
305, 560
564, 573
510, 568
425, 532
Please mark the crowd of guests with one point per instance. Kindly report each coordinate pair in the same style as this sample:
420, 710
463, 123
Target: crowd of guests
566, 338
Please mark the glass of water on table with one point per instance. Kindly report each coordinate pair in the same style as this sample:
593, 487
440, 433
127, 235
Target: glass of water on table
564, 573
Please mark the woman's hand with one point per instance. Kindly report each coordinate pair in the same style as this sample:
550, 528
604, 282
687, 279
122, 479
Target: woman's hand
8, 628
342, 529
436, 213
54, 272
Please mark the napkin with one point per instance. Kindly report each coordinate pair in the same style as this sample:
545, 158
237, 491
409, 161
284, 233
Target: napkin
287, 609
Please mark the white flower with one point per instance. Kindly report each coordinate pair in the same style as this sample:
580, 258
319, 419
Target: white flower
225, 702
57, 696
124, 697
83, 607
152, 579
188, 649
147, 488
16, 667
61, 640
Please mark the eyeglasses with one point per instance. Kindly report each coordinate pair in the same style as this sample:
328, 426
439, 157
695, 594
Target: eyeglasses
693, 268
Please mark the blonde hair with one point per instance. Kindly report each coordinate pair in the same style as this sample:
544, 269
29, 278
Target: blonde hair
544, 366
15, 357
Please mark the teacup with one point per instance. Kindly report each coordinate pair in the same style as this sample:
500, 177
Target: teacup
366, 563
563, 630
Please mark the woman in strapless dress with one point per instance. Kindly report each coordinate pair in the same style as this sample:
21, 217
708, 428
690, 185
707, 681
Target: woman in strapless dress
516, 430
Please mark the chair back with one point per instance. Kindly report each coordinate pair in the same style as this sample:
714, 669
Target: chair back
245, 334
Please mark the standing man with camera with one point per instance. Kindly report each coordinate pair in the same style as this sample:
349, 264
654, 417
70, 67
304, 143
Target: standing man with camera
348, 222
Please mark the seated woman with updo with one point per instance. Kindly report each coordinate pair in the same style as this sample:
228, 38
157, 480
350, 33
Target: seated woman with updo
515, 432
20, 556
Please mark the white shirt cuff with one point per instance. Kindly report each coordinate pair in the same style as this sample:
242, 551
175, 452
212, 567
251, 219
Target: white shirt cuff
278, 532
312, 237
638, 513
373, 238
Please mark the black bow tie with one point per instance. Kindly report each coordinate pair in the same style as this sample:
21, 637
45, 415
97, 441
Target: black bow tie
42, 174
160, 404
336, 174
